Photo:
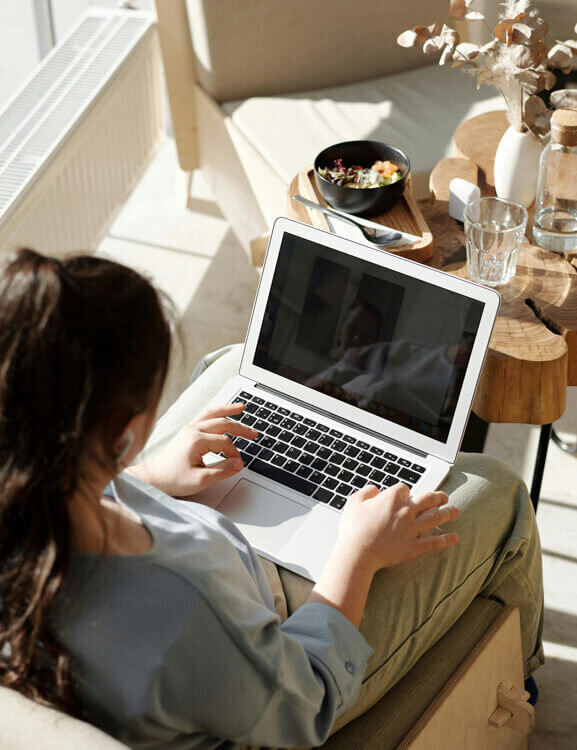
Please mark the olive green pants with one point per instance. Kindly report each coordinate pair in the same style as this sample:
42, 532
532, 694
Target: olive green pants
412, 605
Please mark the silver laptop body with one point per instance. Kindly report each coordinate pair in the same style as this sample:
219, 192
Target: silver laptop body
359, 366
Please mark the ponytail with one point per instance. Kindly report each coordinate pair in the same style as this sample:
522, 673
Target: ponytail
82, 343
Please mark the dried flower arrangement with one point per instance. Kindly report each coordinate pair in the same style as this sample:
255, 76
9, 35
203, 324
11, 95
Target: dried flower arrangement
516, 59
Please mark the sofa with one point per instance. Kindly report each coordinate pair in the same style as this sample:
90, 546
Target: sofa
257, 88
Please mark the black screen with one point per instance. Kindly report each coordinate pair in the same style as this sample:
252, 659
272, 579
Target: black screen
386, 342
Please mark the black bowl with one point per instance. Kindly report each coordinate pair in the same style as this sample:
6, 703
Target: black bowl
361, 201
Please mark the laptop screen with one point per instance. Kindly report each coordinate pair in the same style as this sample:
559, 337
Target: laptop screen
381, 340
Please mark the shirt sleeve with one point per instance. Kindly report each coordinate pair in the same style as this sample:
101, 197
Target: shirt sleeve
262, 683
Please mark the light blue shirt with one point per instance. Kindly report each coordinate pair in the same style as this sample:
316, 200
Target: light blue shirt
181, 647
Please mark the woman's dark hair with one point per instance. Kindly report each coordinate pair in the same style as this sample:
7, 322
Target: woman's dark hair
83, 342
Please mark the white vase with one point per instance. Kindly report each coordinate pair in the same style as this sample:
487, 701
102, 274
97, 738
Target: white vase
517, 166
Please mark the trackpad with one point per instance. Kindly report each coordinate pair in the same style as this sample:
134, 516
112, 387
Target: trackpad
267, 519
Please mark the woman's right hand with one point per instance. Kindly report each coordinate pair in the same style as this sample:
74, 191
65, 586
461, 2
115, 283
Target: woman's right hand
386, 528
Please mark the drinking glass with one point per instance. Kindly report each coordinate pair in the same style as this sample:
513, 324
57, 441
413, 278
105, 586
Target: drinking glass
494, 231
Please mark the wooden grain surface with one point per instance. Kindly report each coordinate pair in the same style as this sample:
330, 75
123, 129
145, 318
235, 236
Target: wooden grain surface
405, 216
533, 351
477, 139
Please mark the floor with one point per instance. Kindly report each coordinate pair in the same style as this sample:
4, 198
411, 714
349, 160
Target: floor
193, 255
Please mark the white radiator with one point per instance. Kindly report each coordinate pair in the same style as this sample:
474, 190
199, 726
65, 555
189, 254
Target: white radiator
78, 135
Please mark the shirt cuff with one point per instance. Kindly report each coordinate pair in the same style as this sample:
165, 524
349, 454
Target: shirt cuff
331, 640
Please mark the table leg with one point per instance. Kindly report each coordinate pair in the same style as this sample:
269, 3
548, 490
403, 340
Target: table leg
544, 439
475, 435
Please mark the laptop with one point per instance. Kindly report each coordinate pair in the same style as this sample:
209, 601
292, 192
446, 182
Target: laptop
359, 366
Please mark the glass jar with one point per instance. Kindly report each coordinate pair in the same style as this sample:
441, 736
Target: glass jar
555, 225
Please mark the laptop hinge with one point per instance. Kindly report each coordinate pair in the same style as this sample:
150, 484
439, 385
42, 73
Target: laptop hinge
326, 414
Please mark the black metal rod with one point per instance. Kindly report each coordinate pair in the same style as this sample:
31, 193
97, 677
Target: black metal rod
544, 439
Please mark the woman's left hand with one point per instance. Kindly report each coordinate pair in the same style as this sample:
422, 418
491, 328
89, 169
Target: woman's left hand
178, 469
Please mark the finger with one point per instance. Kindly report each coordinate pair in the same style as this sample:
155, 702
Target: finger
399, 492
430, 543
211, 474
222, 425
434, 517
226, 410
216, 444
429, 500
365, 493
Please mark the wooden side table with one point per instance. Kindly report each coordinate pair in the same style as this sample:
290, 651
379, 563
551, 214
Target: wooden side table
532, 357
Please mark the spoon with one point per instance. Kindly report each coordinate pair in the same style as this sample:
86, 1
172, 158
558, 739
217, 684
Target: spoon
381, 237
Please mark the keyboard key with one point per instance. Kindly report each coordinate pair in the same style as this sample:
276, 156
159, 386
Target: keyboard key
291, 466
363, 446
324, 452
298, 441
258, 400
306, 458
365, 457
358, 481
390, 457
309, 422
236, 417
278, 460
283, 411
259, 438
286, 436
330, 483
270, 405
335, 433
337, 458
323, 495
240, 443
267, 441
313, 435
317, 477
351, 451
251, 408
344, 489
266, 454
253, 449
376, 451
287, 424
339, 446
276, 417
296, 417
260, 425
376, 477
318, 464
338, 502
322, 428
332, 470
280, 447
409, 476
378, 463
301, 428
350, 464
349, 439
420, 469
272, 430
293, 453
293, 481
389, 481
304, 471
391, 468
404, 462
345, 476
311, 447
247, 419
244, 394
247, 459
326, 440
364, 470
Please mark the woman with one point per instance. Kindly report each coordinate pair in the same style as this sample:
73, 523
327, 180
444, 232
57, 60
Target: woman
152, 616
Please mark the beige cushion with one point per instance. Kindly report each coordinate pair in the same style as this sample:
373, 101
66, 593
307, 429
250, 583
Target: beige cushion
418, 111
25, 724
256, 47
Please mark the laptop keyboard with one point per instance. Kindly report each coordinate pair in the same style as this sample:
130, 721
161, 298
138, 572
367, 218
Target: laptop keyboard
308, 456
